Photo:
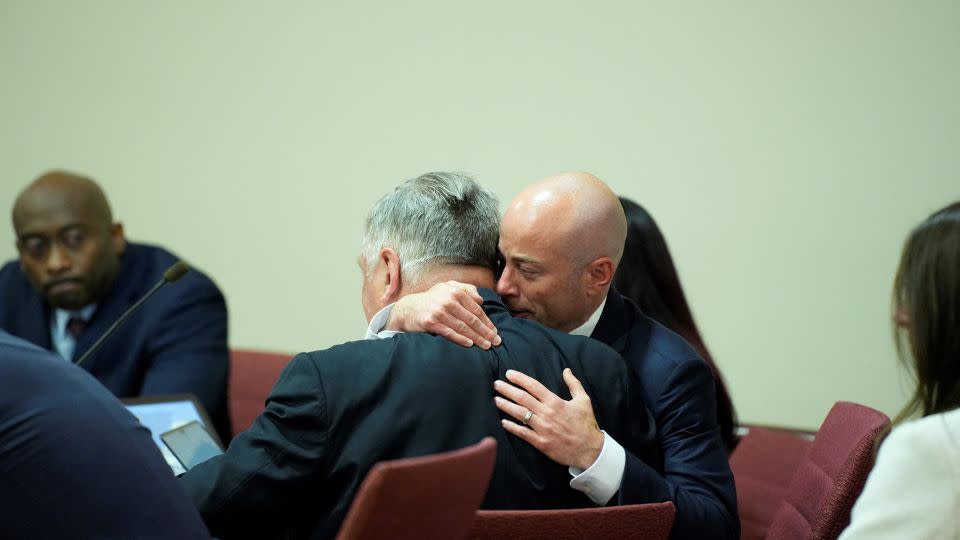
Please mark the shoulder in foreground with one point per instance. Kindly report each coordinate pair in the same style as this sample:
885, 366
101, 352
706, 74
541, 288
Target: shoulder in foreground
25, 365
13, 346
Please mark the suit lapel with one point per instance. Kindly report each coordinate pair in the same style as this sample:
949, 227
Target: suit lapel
614, 324
624, 328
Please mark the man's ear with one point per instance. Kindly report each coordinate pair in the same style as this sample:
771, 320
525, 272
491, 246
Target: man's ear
118, 239
392, 281
599, 274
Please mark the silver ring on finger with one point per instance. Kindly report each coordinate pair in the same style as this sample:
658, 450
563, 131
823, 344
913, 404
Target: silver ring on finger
527, 417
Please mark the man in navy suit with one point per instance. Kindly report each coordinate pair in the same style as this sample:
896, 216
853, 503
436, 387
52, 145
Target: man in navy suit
561, 240
77, 274
74, 462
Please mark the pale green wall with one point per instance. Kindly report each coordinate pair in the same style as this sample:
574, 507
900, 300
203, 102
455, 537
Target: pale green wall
785, 147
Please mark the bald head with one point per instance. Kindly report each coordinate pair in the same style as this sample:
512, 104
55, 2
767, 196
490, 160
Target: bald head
56, 190
69, 246
561, 239
577, 208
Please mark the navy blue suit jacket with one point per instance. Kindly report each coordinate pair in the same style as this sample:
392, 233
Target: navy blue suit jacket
678, 388
74, 463
335, 413
176, 343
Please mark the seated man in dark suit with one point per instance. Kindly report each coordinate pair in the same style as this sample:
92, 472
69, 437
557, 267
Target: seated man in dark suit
77, 274
561, 240
335, 413
74, 463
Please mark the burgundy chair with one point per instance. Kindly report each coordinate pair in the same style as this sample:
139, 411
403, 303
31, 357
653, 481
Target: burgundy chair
647, 521
252, 376
763, 465
831, 476
427, 498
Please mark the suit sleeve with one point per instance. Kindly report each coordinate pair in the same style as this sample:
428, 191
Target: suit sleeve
188, 351
260, 480
696, 475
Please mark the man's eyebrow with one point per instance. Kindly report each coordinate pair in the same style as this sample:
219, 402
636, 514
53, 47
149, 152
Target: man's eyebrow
27, 235
60, 229
523, 259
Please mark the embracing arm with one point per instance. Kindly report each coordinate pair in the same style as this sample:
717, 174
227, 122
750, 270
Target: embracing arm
566, 431
696, 475
451, 309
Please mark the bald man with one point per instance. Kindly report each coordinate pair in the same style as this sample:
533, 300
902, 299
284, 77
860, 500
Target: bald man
561, 240
77, 274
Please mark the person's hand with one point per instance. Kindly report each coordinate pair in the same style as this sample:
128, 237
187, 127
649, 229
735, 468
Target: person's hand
451, 310
566, 431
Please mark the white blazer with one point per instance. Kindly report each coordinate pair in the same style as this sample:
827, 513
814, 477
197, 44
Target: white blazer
914, 488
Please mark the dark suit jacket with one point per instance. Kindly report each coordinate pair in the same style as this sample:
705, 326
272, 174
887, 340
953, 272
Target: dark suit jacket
678, 388
176, 342
335, 413
74, 463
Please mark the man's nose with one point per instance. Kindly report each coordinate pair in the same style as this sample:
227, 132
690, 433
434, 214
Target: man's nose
58, 260
506, 287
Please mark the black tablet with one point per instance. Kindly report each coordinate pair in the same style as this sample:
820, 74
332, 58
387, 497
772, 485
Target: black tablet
166, 412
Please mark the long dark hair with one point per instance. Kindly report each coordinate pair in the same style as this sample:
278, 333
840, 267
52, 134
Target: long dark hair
648, 276
926, 300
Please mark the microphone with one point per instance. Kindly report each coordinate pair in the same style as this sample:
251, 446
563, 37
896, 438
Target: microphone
175, 272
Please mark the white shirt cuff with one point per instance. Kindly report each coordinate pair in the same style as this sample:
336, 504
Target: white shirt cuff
375, 330
602, 479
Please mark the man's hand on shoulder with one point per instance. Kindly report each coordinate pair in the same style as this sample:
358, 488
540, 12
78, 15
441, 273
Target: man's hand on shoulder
566, 431
449, 309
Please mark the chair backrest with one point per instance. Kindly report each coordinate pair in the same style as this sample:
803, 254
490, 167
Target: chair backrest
427, 498
763, 465
647, 521
831, 477
252, 376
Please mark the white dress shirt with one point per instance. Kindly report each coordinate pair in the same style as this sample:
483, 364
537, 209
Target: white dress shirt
601, 480
914, 488
62, 341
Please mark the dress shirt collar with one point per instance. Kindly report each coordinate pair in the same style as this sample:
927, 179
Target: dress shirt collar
586, 329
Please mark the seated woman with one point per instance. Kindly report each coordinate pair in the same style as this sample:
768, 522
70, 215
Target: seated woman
914, 488
648, 276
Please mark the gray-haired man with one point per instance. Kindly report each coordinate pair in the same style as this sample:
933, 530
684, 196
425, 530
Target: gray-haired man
335, 413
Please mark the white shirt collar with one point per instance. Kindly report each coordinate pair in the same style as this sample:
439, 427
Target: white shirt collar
587, 328
375, 330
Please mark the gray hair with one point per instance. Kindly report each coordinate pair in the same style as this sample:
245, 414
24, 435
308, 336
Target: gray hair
435, 218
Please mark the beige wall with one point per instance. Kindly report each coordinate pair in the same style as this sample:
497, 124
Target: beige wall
785, 147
